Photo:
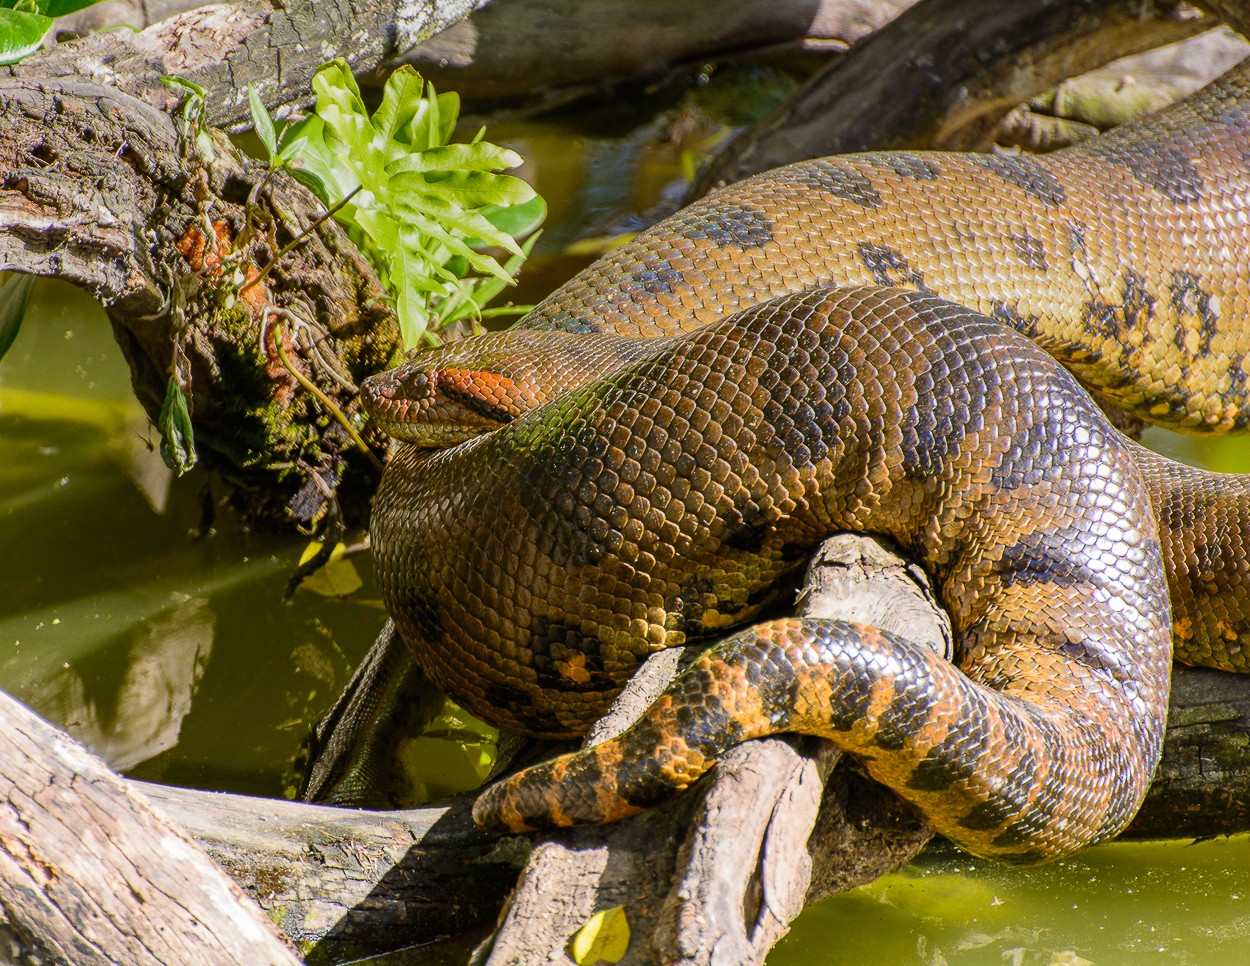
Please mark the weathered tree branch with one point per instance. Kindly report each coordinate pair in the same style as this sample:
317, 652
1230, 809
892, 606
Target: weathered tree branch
944, 73
90, 874
224, 48
687, 870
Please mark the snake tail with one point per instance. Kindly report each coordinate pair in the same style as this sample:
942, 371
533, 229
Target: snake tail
916, 723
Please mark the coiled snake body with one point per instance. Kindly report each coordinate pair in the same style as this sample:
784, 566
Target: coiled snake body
662, 496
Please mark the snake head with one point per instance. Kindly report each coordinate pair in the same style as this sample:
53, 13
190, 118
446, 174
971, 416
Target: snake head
458, 391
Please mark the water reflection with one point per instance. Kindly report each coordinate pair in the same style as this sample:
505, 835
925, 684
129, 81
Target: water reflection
131, 718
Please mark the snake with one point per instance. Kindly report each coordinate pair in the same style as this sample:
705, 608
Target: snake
917, 344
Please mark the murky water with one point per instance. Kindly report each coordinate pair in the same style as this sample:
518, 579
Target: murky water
1119, 905
173, 656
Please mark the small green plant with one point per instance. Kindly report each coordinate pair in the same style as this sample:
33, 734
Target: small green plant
14, 297
424, 210
23, 24
188, 115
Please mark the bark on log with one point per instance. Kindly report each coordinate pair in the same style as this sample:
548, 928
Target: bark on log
344, 884
521, 48
225, 47
91, 874
100, 189
1202, 785
944, 73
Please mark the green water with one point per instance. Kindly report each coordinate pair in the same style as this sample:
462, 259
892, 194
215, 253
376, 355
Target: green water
172, 655
1118, 905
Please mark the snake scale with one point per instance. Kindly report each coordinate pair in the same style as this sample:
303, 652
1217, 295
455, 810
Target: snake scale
852, 343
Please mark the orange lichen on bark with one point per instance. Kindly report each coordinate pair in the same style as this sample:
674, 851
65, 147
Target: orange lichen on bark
193, 246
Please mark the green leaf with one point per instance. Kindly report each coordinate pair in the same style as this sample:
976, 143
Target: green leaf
425, 207
313, 182
463, 189
304, 152
341, 108
484, 289
262, 122
445, 110
59, 8
15, 292
177, 435
20, 34
402, 107
518, 220
479, 156
448, 215
416, 225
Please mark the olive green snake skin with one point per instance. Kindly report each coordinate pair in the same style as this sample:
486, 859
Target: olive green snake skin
840, 345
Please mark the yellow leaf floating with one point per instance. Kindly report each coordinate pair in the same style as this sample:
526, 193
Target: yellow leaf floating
603, 939
336, 578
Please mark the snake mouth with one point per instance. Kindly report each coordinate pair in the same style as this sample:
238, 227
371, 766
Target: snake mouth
427, 435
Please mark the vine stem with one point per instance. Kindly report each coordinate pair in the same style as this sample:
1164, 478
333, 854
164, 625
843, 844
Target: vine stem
309, 385
298, 240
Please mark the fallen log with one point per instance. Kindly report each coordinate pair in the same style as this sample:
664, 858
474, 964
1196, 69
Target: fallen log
343, 883
943, 74
92, 874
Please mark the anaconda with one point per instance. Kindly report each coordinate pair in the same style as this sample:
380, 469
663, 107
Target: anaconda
532, 569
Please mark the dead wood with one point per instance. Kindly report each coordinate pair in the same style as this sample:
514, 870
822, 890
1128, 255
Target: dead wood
344, 884
225, 47
1202, 785
944, 73
526, 48
91, 874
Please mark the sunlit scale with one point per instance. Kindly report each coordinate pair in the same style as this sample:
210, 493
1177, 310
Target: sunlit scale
809, 383
1135, 240
639, 522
